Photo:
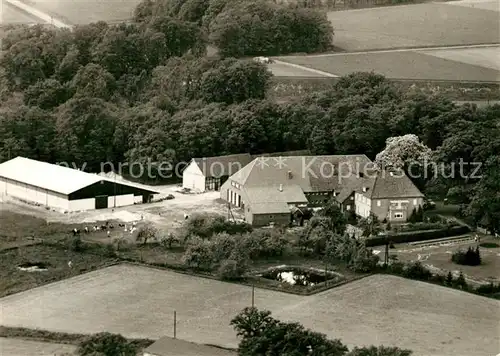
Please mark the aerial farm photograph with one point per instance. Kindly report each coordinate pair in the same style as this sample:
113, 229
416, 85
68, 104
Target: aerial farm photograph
250, 177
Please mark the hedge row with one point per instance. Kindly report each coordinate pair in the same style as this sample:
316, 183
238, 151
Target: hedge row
413, 236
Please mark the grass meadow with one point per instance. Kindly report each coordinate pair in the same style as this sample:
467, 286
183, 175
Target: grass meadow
419, 25
139, 302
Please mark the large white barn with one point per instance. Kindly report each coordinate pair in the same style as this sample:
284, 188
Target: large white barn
64, 188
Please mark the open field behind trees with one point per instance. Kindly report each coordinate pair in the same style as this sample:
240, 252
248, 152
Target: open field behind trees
11, 15
476, 64
419, 25
20, 347
79, 12
487, 57
139, 302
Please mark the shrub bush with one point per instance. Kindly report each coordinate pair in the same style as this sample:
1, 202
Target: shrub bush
208, 225
488, 289
232, 269
471, 257
76, 244
396, 268
265, 243
106, 344
416, 270
423, 226
413, 236
364, 261
489, 245
198, 255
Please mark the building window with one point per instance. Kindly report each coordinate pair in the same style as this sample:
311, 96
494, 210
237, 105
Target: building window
379, 203
348, 207
398, 215
414, 202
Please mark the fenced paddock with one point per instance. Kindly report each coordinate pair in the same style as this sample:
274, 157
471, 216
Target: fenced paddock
139, 302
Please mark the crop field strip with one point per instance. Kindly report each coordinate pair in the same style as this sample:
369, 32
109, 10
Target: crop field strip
12, 15
488, 57
420, 25
139, 302
400, 65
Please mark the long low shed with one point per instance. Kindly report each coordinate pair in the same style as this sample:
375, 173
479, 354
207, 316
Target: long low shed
66, 189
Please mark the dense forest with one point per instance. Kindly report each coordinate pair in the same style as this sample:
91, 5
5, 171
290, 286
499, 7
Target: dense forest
148, 91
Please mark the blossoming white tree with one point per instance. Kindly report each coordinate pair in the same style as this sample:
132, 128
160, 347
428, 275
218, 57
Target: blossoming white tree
401, 152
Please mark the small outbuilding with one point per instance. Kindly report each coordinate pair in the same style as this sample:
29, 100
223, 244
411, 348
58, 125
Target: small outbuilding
66, 189
167, 346
210, 173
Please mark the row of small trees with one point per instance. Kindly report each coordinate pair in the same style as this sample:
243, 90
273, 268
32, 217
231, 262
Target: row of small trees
230, 255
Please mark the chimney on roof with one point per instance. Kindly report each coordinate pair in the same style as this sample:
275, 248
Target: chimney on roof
290, 175
281, 187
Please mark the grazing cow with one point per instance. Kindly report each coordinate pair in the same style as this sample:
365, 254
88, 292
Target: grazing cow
109, 233
70, 264
186, 216
121, 225
76, 231
111, 226
103, 227
86, 230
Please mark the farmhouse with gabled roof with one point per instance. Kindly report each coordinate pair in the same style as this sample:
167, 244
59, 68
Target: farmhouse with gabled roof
268, 188
209, 173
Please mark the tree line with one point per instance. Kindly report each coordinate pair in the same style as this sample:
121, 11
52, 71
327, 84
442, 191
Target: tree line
245, 28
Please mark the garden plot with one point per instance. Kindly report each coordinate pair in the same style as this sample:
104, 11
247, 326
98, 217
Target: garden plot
420, 25
139, 302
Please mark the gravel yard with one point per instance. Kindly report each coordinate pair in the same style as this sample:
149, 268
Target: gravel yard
139, 302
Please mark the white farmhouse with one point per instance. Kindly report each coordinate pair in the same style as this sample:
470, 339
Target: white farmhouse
210, 173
